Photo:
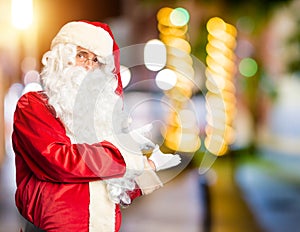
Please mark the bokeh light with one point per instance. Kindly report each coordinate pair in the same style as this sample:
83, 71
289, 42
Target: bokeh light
179, 16
125, 75
216, 27
21, 13
31, 76
163, 16
166, 79
155, 55
248, 67
28, 63
220, 98
245, 24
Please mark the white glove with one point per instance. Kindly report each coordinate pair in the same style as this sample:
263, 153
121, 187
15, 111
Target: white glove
164, 161
117, 189
138, 135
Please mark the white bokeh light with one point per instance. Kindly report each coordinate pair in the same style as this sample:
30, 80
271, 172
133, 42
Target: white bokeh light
166, 79
125, 75
155, 55
31, 76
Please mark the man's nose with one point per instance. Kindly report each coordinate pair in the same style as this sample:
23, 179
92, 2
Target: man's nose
88, 64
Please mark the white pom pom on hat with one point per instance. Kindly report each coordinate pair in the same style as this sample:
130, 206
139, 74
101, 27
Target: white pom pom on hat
87, 35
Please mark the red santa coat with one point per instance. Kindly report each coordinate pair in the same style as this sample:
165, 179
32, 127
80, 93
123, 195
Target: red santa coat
59, 185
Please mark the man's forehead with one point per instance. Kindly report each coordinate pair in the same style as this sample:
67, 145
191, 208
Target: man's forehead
84, 50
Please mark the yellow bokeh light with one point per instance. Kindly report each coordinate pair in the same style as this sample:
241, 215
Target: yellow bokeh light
218, 69
216, 77
179, 93
163, 16
180, 54
176, 140
231, 30
216, 144
182, 132
188, 119
219, 101
179, 43
218, 46
220, 98
225, 51
180, 66
215, 26
168, 30
22, 13
222, 60
228, 133
219, 86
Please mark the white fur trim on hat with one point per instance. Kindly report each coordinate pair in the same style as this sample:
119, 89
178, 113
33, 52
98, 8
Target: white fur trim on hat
85, 35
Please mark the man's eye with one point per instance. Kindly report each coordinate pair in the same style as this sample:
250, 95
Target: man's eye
81, 54
95, 60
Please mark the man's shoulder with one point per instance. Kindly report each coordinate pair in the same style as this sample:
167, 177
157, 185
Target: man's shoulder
32, 96
35, 102
33, 99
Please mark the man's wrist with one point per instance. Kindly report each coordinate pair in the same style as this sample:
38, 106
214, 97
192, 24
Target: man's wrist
152, 165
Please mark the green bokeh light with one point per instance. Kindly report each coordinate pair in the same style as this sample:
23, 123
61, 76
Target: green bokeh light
179, 16
248, 67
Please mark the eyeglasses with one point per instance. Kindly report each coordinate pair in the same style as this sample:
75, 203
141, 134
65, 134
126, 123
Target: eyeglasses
83, 56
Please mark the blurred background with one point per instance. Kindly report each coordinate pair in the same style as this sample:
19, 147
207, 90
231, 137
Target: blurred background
222, 78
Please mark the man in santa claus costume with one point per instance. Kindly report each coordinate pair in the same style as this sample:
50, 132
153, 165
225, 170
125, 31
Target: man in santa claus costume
76, 159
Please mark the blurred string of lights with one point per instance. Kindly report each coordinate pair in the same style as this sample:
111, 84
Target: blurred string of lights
220, 96
175, 77
170, 57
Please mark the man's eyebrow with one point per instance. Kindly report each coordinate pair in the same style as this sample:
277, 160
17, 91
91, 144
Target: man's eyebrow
86, 51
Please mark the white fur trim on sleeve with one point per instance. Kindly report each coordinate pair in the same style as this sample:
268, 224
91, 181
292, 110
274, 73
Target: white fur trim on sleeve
130, 151
148, 181
134, 159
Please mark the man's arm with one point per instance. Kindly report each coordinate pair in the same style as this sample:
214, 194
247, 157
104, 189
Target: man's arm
40, 139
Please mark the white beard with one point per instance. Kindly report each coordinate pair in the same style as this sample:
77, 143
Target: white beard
91, 111
86, 103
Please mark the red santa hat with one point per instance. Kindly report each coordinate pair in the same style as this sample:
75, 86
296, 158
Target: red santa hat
97, 37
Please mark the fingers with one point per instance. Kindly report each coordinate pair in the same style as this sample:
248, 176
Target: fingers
142, 140
164, 161
144, 129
